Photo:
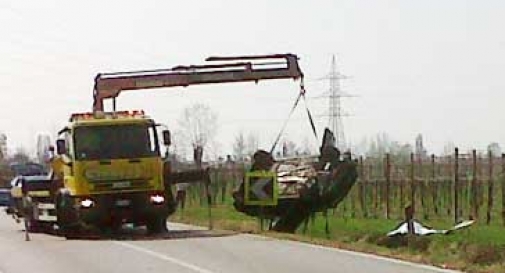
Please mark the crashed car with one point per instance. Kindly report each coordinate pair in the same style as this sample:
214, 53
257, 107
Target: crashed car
301, 185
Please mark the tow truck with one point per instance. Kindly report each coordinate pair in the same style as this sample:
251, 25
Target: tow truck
108, 169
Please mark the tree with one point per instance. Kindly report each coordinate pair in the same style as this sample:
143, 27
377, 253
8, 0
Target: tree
3, 146
252, 143
214, 148
449, 148
198, 125
239, 146
21, 156
379, 146
177, 151
383, 144
306, 148
420, 149
43, 144
401, 151
494, 148
289, 148
362, 147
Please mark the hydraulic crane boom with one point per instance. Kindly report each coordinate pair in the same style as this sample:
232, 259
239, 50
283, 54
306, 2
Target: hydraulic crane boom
248, 68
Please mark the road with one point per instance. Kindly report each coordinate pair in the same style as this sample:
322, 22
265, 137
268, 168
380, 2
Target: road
186, 252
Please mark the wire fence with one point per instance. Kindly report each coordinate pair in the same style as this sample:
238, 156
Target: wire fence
459, 186
450, 188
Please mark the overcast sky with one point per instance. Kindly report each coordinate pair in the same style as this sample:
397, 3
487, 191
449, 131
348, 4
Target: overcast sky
432, 67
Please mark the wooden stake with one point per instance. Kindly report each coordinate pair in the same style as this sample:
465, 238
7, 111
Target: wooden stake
503, 187
456, 185
473, 189
412, 182
490, 188
388, 182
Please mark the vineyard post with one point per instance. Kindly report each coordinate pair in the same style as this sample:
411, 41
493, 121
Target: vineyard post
503, 188
434, 186
422, 184
450, 170
388, 182
473, 189
412, 182
362, 188
456, 185
490, 187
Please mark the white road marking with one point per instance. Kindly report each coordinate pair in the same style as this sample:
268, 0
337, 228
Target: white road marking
164, 257
338, 250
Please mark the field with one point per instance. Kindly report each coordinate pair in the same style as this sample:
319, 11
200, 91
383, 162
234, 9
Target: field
444, 190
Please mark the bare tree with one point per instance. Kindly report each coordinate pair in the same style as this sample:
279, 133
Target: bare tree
449, 148
307, 147
177, 151
3, 146
198, 125
239, 146
494, 148
20, 156
252, 143
289, 148
43, 144
214, 148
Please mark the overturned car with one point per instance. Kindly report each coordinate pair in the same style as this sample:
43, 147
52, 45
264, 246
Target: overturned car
304, 185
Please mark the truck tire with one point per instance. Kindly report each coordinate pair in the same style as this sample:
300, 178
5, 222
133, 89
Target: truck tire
109, 228
35, 226
157, 225
68, 220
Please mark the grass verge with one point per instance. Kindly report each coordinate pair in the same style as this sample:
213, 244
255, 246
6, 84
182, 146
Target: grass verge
479, 249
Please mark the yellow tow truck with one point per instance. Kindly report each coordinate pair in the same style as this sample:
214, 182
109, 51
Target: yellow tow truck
109, 170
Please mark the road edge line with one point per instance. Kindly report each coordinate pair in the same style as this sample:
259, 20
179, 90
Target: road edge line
359, 254
340, 250
164, 257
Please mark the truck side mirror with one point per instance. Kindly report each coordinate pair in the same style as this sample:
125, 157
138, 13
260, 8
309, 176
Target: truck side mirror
167, 139
61, 147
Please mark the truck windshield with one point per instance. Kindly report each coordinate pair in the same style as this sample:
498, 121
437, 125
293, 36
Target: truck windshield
114, 142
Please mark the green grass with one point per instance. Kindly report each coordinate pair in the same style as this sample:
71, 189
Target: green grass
479, 248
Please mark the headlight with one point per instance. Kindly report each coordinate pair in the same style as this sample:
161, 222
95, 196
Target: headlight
87, 203
157, 199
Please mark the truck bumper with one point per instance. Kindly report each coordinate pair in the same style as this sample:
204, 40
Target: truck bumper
137, 208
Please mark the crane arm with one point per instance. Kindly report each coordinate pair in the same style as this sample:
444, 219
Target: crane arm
248, 68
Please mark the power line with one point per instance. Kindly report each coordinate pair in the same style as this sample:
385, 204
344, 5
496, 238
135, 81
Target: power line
335, 111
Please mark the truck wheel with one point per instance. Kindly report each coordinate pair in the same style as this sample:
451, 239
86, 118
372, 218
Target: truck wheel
39, 226
68, 221
157, 225
109, 228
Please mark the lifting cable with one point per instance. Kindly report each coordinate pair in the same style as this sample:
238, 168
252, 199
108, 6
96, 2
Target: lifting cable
301, 94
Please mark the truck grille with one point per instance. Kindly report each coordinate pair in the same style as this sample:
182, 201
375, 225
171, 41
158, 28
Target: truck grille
121, 185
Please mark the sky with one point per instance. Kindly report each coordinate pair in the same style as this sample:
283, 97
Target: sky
431, 67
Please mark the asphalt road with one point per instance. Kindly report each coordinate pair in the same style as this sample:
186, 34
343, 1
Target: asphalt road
190, 251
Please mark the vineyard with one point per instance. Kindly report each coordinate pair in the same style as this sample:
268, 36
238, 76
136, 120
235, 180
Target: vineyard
443, 190
460, 186
449, 188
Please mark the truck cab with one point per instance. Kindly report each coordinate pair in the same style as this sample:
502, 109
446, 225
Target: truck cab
110, 171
